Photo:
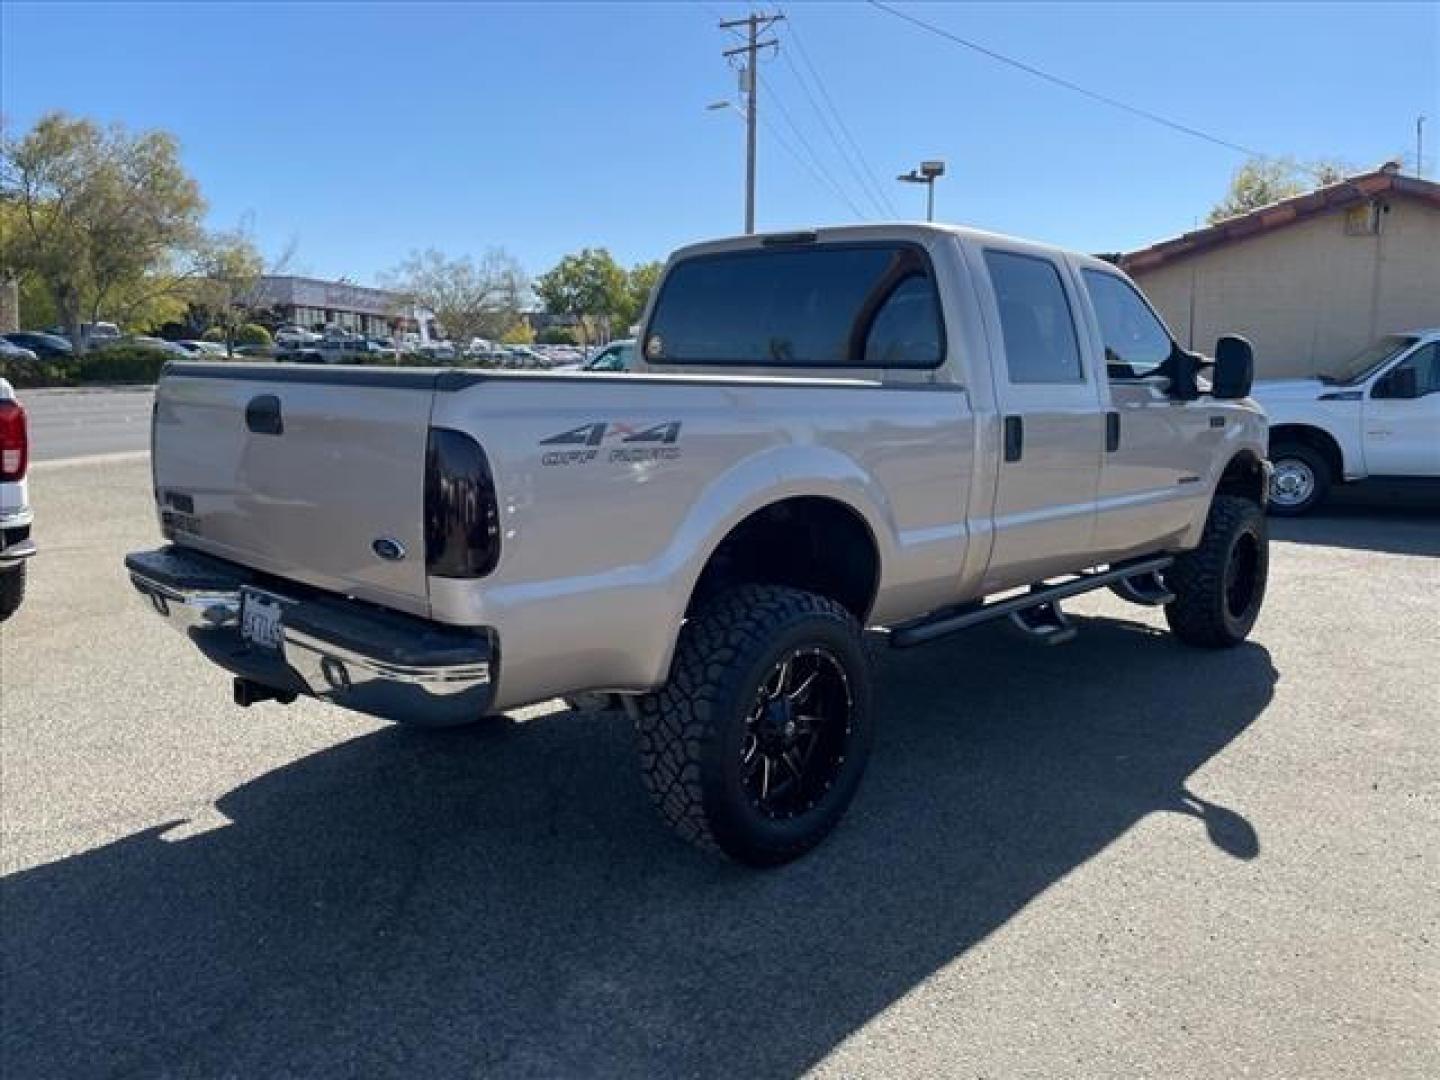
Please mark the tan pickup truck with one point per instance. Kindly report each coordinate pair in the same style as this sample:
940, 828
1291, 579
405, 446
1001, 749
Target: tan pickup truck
906, 428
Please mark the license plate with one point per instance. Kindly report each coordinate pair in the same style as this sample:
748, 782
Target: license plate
260, 620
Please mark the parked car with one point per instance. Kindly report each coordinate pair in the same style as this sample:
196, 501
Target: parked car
438, 350
1377, 415
16, 517
203, 350
617, 356
909, 427
96, 333
44, 346
13, 352
172, 348
256, 352
294, 336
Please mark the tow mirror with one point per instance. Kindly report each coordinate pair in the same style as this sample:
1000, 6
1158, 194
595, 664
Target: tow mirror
1403, 382
1234, 367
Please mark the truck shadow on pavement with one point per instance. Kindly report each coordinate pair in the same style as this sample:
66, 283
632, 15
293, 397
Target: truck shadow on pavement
503, 901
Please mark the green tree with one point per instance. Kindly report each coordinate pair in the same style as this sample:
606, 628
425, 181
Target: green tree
1262, 181
640, 281
469, 297
229, 293
590, 287
106, 220
522, 333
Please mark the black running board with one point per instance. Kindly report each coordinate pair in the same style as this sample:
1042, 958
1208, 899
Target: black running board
1040, 595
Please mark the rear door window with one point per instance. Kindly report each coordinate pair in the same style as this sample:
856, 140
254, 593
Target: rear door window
836, 305
1035, 318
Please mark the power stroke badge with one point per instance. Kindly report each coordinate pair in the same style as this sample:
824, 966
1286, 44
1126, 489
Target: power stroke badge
608, 440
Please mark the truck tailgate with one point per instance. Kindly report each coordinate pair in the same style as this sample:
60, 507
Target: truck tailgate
313, 474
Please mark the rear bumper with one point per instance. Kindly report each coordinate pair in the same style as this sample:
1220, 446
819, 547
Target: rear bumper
341, 651
15, 543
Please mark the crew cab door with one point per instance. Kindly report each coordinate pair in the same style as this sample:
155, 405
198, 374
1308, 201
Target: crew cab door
1052, 430
1156, 448
1402, 434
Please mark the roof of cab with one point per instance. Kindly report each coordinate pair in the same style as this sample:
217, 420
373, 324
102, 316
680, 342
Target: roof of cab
914, 231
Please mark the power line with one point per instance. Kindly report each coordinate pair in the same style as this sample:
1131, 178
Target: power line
876, 188
820, 178
1029, 69
805, 144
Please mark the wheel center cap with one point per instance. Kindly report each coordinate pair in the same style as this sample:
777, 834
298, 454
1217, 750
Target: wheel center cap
777, 724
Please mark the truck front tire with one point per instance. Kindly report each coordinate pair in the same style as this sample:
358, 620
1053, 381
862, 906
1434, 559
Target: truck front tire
1301, 479
757, 744
12, 591
1220, 586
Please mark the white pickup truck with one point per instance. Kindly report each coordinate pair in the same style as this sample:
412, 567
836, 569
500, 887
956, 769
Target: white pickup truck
910, 428
16, 517
1377, 415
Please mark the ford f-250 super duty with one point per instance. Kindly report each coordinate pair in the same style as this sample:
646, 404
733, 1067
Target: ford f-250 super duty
904, 427
1377, 415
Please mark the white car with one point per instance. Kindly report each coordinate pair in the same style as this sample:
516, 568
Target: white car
202, 350
16, 547
1377, 415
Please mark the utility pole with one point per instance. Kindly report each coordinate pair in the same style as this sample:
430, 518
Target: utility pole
1420, 146
755, 24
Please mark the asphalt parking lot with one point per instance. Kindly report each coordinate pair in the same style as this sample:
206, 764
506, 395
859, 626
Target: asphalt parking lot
1115, 858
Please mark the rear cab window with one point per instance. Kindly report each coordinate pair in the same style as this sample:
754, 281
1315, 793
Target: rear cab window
861, 305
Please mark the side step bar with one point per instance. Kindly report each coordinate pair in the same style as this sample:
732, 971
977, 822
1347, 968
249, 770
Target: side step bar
1040, 595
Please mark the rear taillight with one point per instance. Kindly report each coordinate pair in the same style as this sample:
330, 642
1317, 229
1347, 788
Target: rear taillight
462, 518
14, 441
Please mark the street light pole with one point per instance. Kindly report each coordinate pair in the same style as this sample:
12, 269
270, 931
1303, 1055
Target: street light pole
927, 174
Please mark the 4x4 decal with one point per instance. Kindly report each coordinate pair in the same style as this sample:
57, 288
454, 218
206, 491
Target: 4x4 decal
656, 442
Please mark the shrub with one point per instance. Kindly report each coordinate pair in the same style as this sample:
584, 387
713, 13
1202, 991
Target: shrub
215, 333
557, 335
120, 364
253, 334
23, 374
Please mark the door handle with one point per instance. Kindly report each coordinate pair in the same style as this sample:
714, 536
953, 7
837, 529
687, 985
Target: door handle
1112, 432
262, 415
1014, 438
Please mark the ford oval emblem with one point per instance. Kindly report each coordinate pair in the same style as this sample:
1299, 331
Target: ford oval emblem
389, 549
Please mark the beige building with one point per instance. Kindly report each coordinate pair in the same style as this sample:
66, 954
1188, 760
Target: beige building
1309, 280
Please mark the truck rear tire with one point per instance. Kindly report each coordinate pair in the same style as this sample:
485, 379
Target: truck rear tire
12, 591
1301, 479
1220, 586
757, 744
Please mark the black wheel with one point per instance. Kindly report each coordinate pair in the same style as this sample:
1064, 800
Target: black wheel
1220, 586
1300, 481
12, 591
757, 744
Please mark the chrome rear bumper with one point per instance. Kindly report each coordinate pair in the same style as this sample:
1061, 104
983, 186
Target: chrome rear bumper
341, 651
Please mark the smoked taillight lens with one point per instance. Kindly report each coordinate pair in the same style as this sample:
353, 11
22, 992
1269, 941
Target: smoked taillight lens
14, 441
462, 517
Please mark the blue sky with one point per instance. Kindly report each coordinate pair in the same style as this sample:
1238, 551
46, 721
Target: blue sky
365, 131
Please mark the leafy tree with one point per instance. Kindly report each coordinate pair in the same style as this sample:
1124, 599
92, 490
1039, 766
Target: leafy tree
640, 281
230, 295
253, 334
1262, 181
589, 286
469, 297
107, 221
522, 333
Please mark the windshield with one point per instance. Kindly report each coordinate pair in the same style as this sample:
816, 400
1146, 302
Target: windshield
1367, 359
